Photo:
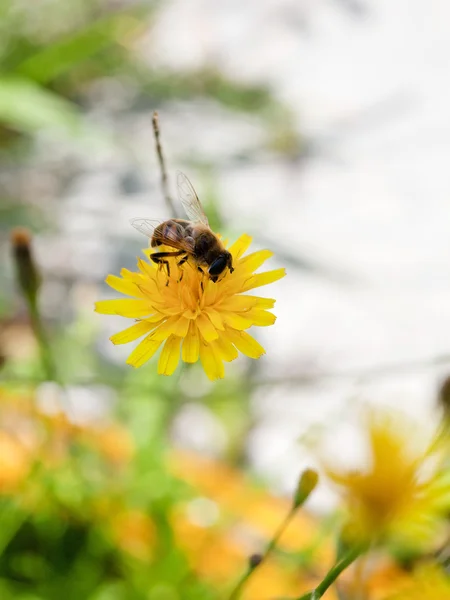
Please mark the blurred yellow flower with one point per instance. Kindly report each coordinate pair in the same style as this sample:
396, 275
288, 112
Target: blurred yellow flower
428, 582
187, 310
405, 491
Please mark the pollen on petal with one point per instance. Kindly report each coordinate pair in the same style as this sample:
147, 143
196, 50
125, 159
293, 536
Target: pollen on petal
170, 356
132, 333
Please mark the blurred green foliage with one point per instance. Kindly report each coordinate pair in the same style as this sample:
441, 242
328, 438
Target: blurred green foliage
49, 54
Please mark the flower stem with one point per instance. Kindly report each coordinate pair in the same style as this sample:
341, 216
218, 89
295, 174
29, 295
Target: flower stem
44, 347
29, 280
162, 166
235, 594
333, 574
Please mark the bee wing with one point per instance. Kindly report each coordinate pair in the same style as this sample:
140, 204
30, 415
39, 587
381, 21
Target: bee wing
173, 237
145, 226
190, 201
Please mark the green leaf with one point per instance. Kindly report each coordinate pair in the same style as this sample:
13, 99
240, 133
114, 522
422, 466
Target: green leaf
61, 56
28, 107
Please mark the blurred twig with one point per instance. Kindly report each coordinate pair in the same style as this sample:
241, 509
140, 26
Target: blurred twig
162, 166
291, 380
376, 371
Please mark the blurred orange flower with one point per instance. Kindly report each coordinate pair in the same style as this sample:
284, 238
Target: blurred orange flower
134, 532
243, 519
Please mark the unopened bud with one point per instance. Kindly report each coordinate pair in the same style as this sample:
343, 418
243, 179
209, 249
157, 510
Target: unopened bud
27, 273
255, 560
308, 481
444, 397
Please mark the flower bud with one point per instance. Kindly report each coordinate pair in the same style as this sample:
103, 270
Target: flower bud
255, 560
444, 397
308, 481
27, 274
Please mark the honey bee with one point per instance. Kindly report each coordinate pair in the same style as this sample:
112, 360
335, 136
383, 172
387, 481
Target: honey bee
191, 238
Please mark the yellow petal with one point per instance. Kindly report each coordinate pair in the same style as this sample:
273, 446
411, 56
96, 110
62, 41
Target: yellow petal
237, 303
240, 246
170, 356
206, 328
124, 308
165, 329
132, 276
143, 352
211, 362
181, 327
262, 318
236, 321
253, 261
264, 302
263, 279
132, 333
146, 268
190, 350
225, 349
245, 343
124, 287
215, 318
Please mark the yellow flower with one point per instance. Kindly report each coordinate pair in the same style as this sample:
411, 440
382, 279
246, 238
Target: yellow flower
428, 582
189, 312
404, 494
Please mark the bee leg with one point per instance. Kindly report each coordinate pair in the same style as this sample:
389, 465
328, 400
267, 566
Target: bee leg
158, 258
181, 263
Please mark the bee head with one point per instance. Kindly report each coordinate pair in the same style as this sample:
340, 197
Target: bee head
219, 265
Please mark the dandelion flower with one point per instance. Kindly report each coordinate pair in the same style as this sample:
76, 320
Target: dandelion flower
404, 494
189, 314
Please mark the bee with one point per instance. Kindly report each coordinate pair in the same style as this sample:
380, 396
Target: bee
191, 238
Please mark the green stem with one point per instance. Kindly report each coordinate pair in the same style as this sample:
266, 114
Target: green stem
235, 594
41, 337
332, 574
